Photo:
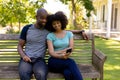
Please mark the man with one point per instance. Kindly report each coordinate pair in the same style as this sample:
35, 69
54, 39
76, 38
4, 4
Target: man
33, 37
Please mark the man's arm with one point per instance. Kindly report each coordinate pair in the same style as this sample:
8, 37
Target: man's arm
20, 47
82, 32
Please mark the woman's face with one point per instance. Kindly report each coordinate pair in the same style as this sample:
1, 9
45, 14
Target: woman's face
56, 25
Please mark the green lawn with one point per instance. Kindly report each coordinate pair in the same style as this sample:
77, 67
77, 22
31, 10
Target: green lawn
112, 65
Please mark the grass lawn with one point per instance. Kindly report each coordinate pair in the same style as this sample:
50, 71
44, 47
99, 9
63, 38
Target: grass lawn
112, 65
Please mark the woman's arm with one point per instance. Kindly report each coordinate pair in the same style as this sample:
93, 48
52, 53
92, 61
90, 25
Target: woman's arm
61, 53
71, 45
56, 54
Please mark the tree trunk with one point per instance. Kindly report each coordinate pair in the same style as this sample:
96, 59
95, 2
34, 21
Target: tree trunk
11, 25
19, 26
74, 13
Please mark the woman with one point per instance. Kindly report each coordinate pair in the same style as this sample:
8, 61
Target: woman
59, 41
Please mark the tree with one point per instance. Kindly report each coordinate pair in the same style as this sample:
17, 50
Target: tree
18, 11
86, 3
12, 12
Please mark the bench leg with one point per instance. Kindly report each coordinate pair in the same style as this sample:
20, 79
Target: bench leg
94, 78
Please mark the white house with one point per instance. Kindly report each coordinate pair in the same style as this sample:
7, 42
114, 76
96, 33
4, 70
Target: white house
107, 15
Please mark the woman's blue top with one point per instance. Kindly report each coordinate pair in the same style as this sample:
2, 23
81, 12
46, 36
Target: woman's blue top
60, 43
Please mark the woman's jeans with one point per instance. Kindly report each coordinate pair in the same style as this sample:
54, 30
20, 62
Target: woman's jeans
36, 67
67, 67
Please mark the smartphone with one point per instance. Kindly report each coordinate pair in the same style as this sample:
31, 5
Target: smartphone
69, 50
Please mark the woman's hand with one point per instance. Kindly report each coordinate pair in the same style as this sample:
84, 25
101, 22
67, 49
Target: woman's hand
65, 55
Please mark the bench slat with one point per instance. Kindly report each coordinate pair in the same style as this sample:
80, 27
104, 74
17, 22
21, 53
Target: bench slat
86, 70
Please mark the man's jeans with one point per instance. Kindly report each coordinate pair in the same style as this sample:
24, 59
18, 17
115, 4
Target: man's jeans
36, 67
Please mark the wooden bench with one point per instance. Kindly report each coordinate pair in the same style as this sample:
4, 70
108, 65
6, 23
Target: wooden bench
89, 59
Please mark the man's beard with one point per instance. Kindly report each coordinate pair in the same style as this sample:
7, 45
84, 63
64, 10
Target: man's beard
40, 25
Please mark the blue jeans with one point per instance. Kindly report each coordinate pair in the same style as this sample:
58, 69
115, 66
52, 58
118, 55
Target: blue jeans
37, 67
67, 67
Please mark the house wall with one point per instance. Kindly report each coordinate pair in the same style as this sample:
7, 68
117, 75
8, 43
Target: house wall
102, 24
118, 19
99, 13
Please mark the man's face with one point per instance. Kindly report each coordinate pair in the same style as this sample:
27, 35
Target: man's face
41, 19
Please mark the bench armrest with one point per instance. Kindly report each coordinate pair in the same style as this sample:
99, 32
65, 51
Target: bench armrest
98, 61
100, 55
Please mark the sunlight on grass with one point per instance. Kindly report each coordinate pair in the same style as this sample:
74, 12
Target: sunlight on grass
117, 58
110, 67
112, 42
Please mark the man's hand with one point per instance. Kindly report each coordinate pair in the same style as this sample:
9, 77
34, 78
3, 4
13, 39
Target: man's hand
26, 59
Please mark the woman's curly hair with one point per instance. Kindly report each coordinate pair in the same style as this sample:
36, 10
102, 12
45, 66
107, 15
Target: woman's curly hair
58, 16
